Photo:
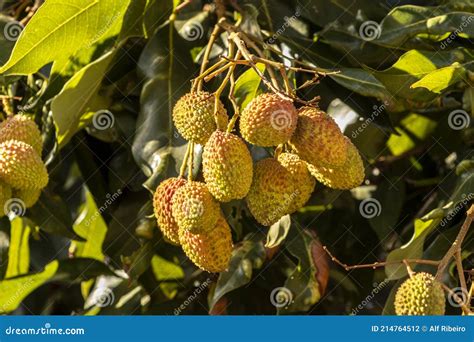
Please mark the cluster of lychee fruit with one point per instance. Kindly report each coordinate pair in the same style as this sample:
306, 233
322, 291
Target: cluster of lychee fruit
23, 174
310, 147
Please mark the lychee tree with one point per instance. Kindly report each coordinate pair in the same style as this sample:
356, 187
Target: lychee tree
236, 157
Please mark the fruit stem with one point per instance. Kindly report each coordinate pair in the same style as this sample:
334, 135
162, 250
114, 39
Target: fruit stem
207, 53
459, 301
232, 99
191, 161
182, 170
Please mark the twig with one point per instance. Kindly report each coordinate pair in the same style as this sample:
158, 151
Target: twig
462, 278
207, 53
456, 246
191, 162
182, 170
379, 263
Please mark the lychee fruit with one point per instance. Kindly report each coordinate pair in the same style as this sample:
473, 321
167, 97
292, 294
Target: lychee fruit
318, 139
194, 118
210, 250
268, 120
162, 205
272, 192
21, 166
420, 295
194, 208
227, 166
301, 178
348, 176
21, 128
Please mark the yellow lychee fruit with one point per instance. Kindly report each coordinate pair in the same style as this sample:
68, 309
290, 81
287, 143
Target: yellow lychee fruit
272, 192
210, 250
268, 120
348, 176
162, 205
227, 166
301, 178
5, 195
420, 295
194, 208
21, 128
21, 166
28, 196
194, 118
318, 139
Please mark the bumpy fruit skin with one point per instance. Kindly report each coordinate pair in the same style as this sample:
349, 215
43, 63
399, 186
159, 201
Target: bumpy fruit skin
21, 167
302, 180
272, 192
194, 208
227, 166
28, 196
420, 295
21, 128
317, 139
211, 250
348, 176
162, 205
5, 195
193, 116
268, 120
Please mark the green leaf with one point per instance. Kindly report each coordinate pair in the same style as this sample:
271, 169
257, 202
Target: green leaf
19, 251
440, 79
412, 129
405, 22
14, 290
77, 102
247, 256
277, 232
91, 226
247, 85
165, 273
361, 82
412, 250
6, 45
301, 288
75, 24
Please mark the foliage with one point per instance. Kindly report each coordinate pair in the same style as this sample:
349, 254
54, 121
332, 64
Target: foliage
101, 78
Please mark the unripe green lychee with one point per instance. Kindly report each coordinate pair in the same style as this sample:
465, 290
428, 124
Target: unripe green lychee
194, 208
21, 128
227, 166
272, 192
348, 176
21, 167
317, 139
162, 205
210, 250
5, 195
194, 118
420, 295
28, 196
268, 120
302, 180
